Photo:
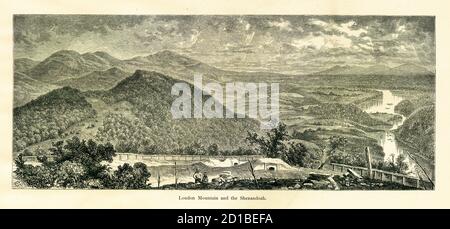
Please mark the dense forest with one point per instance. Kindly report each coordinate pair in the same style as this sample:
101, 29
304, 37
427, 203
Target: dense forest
418, 130
149, 95
49, 116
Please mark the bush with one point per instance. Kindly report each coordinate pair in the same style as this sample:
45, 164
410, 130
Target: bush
70, 175
297, 154
398, 165
80, 164
307, 135
270, 145
131, 177
405, 107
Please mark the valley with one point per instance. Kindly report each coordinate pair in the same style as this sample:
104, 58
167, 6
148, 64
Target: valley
127, 103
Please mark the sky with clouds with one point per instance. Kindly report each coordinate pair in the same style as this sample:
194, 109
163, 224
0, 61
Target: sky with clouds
287, 44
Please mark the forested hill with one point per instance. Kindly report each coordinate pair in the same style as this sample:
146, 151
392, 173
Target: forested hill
149, 94
418, 130
134, 115
48, 116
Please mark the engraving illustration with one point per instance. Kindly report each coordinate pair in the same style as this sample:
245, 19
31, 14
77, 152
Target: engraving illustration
283, 102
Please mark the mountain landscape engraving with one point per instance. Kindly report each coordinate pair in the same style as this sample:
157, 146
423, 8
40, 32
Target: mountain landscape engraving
238, 102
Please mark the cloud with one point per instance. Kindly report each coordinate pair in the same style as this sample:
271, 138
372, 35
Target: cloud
281, 24
365, 46
323, 41
344, 28
401, 28
285, 42
318, 22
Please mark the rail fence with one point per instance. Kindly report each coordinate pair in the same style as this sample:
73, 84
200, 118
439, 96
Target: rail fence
162, 157
382, 175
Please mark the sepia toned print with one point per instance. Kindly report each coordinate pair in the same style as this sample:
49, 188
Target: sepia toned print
282, 102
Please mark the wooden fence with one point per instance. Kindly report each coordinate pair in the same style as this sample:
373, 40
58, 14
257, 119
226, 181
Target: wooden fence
160, 157
382, 175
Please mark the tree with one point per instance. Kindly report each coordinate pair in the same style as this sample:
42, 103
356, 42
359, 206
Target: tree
334, 144
70, 165
297, 154
271, 145
70, 175
141, 175
405, 107
80, 164
131, 177
123, 176
308, 135
87, 153
213, 150
27, 152
35, 176
399, 165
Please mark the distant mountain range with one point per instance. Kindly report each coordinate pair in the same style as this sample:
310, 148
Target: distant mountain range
401, 70
68, 64
101, 71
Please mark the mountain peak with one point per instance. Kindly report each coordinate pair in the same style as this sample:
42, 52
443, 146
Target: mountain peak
105, 55
341, 69
378, 69
411, 65
412, 69
100, 57
146, 82
101, 53
167, 53
147, 74
64, 95
114, 70
65, 53
172, 57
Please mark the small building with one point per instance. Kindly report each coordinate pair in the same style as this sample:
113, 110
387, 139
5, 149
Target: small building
271, 164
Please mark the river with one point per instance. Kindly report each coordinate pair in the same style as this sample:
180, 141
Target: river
391, 147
